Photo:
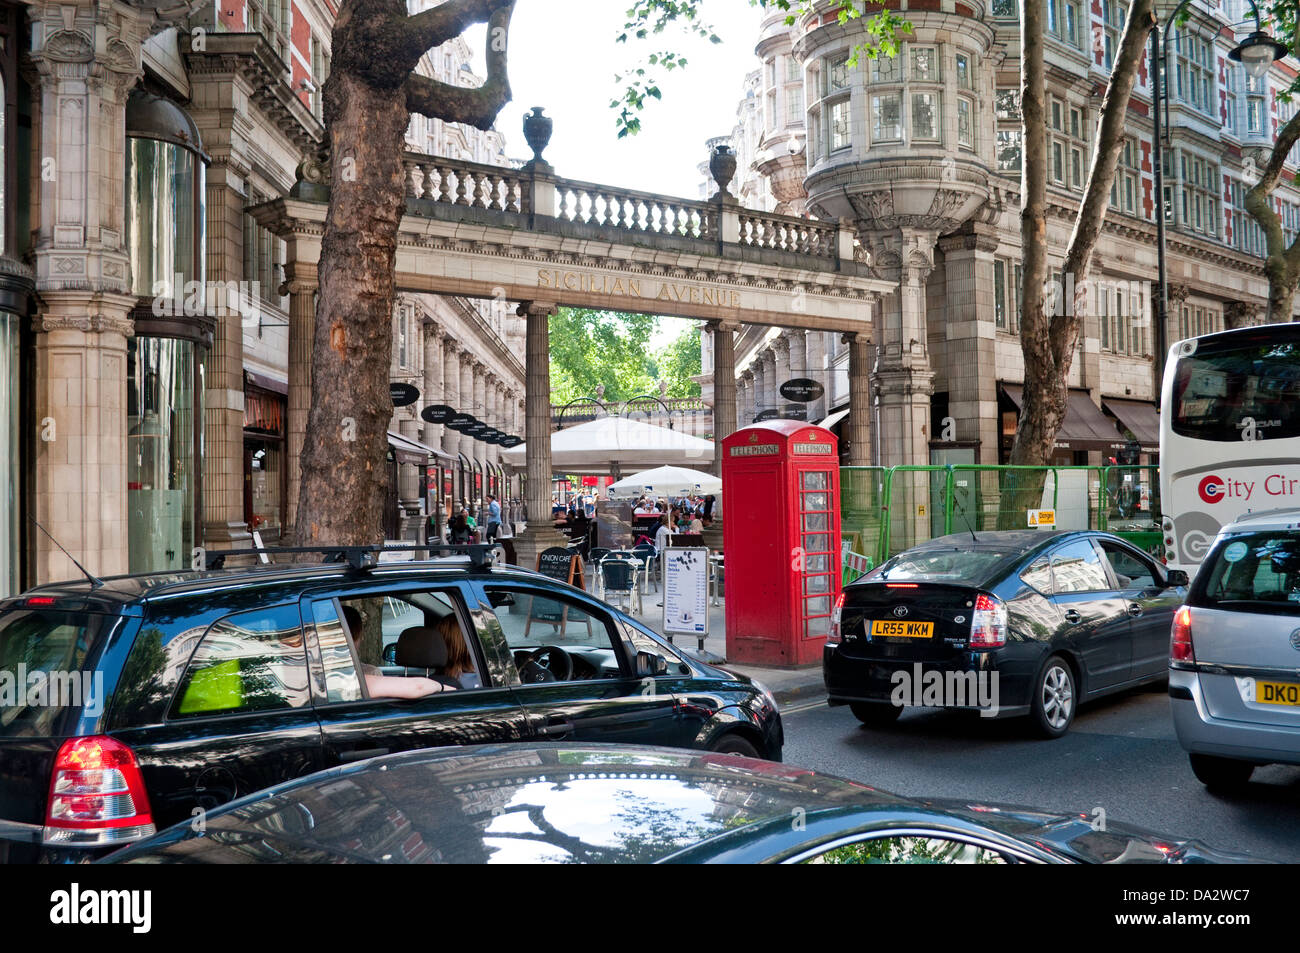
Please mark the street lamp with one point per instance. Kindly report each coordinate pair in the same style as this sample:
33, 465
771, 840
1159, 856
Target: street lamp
1256, 53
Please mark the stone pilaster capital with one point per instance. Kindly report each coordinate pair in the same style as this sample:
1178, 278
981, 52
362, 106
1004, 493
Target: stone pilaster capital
780, 345
95, 322
747, 376
526, 308
723, 325
1178, 293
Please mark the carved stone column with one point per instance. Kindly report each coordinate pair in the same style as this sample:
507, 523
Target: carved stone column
451, 389
301, 288
745, 402
816, 369
83, 62
971, 333
903, 375
540, 533
433, 387
467, 406
858, 429
724, 386
1239, 314
781, 362
480, 411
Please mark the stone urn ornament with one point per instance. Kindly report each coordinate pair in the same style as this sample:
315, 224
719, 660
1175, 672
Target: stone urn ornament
537, 132
722, 165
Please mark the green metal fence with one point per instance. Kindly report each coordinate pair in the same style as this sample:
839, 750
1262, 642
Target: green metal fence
885, 511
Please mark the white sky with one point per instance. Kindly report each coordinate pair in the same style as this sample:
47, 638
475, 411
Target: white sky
563, 58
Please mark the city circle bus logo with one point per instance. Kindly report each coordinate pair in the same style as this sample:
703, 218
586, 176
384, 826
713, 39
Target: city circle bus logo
1211, 489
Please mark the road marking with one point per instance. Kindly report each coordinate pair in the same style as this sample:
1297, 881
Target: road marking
806, 706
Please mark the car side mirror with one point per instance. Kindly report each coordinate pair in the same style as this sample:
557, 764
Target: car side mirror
390, 654
648, 665
1175, 578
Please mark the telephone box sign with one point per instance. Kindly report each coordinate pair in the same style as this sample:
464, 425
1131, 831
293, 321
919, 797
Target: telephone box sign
811, 448
756, 450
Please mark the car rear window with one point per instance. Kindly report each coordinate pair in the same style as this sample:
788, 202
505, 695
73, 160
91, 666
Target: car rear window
1252, 572
962, 568
43, 681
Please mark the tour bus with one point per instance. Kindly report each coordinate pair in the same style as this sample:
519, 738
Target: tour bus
1229, 434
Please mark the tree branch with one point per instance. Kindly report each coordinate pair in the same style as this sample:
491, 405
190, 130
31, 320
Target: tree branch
1096, 197
478, 106
1257, 199
437, 25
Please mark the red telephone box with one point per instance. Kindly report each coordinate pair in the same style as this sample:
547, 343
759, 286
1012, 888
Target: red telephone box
781, 533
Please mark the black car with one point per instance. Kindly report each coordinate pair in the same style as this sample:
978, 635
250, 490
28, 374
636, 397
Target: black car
1012, 623
517, 804
206, 686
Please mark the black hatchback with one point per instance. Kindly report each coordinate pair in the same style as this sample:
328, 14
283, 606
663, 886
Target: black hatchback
132, 703
1008, 623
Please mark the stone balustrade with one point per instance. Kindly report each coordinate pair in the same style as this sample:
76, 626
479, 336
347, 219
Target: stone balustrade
456, 182
541, 196
634, 211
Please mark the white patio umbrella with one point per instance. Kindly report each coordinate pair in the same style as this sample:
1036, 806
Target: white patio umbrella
666, 481
611, 444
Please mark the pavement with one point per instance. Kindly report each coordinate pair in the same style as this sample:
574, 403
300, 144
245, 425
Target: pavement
788, 685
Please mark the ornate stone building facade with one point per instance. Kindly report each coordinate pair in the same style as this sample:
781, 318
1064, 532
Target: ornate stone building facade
145, 315
921, 153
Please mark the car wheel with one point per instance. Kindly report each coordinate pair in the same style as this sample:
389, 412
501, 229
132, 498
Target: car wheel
1055, 699
875, 714
736, 744
1221, 774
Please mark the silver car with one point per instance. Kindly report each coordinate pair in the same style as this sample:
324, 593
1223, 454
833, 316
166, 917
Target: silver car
1234, 665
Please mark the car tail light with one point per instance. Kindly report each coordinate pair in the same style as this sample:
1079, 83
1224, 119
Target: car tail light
988, 624
836, 636
97, 795
1180, 640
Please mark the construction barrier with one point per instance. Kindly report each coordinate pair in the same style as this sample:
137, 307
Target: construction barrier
886, 511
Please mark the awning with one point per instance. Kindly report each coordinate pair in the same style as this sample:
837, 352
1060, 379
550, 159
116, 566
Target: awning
832, 419
411, 451
1140, 418
1085, 426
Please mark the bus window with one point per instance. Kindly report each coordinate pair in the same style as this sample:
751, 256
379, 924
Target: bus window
1250, 391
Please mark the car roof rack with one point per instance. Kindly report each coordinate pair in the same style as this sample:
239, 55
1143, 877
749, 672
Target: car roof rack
365, 557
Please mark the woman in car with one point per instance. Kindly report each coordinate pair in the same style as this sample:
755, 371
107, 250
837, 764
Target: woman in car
460, 664
379, 685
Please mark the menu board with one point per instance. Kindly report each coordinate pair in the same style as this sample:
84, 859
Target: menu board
686, 591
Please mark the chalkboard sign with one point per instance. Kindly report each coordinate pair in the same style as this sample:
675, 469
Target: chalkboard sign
566, 566
559, 563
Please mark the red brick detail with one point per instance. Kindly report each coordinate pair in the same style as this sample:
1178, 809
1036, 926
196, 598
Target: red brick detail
300, 33
963, 10
1148, 206
1145, 164
233, 15
1142, 70
1138, 108
1288, 71
299, 72
932, 5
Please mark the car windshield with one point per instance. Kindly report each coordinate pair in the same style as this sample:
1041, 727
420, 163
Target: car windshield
1253, 572
967, 568
42, 682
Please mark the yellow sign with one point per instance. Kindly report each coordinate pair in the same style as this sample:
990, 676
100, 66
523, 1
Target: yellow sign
1042, 519
920, 509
